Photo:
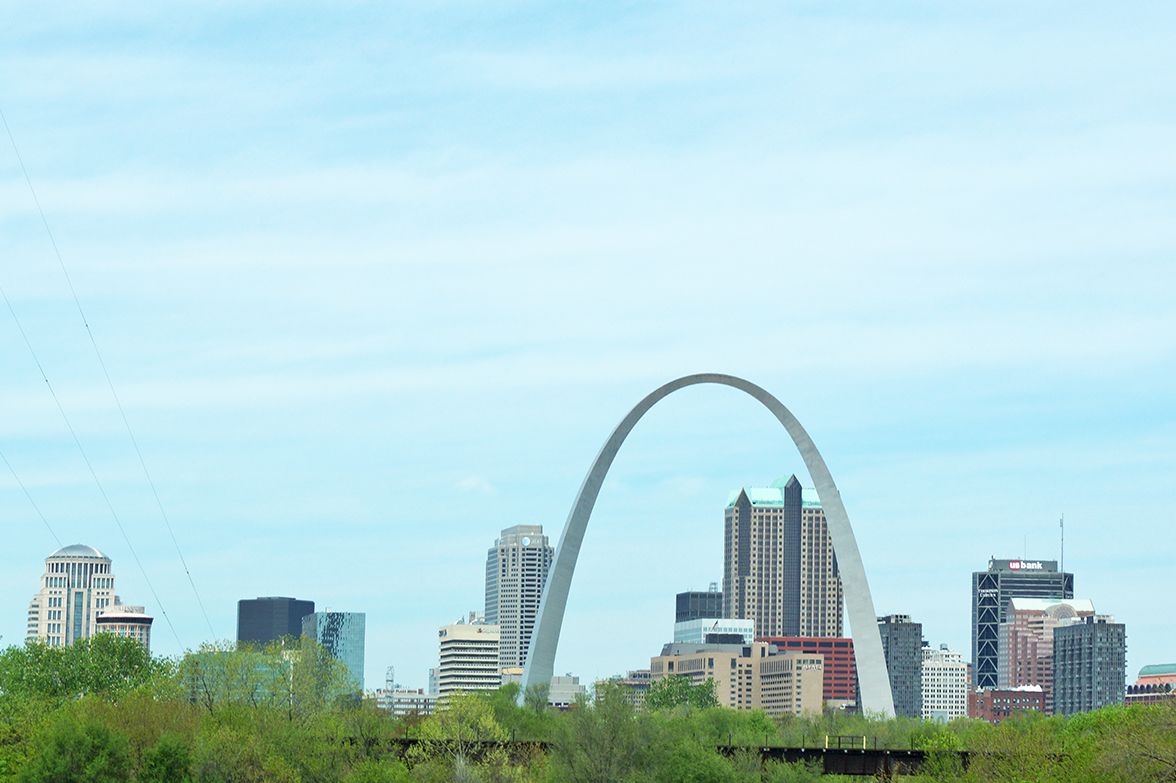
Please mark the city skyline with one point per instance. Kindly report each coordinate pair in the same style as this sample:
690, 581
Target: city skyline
372, 284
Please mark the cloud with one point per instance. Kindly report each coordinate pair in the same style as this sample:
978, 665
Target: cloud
479, 485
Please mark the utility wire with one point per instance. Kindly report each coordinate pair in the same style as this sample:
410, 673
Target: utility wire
32, 502
106, 374
89, 465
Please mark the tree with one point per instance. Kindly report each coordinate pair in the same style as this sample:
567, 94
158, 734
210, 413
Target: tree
678, 691
167, 761
78, 751
602, 741
104, 665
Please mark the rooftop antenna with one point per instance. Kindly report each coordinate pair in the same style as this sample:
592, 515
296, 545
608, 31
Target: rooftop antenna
1062, 528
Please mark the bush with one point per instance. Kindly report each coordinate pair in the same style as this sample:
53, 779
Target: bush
78, 751
167, 761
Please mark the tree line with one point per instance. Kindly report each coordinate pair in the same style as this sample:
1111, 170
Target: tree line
104, 711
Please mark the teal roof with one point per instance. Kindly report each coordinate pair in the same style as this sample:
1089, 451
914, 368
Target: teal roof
1157, 668
774, 495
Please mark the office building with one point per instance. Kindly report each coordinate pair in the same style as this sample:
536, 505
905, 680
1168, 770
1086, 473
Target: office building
341, 634
699, 604
401, 702
945, 684
1155, 683
76, 587
718, 631
748, 676
779, 569
634, 685
991, 591
999, 704
839, 686
1090, 664
516, 570
565, 691
1025, 641
468, 656
902, 646
270, 619
129, 622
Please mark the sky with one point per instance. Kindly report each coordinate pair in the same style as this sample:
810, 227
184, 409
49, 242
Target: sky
375, 281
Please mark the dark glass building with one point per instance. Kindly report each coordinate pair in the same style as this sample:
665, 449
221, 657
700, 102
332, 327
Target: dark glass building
1090, 664
991, 591
263, 620
699, 605
902, 646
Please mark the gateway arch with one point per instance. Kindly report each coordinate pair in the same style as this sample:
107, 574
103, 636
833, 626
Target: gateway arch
873, 682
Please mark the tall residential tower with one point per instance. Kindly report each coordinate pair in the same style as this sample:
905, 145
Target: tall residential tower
778, 563
516, 570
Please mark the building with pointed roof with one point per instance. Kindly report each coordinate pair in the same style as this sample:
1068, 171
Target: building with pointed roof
779, 569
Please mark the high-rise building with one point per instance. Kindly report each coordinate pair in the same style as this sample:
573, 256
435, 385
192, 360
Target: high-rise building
902, 646
76, 587
779, 569
945, 684
341, 634
129, 622
516, 570
1025, 644
268, 619
839, 687
699, 604
991, 591
468, 652
1090, 664
748, 676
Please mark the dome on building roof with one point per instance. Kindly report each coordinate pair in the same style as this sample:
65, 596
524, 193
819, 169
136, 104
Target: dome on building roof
78, 550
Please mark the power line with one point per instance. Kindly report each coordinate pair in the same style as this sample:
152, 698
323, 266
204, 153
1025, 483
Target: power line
106, 374
89, 465
32, 502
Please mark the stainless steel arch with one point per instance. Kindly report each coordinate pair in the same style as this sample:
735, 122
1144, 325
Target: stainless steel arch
873, 682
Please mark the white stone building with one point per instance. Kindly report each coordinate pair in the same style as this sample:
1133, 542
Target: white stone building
468, 657
76, 587
945, 684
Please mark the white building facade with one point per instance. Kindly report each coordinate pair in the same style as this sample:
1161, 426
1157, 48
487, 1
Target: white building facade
696, 631
468, 657
516, 570
945, 684
129, 622
76, 587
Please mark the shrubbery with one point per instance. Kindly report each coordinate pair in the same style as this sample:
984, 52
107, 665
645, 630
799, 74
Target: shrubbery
104, 711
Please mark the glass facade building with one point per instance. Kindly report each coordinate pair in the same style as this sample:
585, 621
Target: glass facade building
268, 619
342, 635
902, 646
698, 605
991, 591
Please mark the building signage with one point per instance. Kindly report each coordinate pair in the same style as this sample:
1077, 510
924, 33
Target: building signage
1025, 565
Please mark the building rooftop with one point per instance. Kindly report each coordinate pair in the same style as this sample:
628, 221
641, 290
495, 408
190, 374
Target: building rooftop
774, 495
1079, 605
78, 550
1156, 669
